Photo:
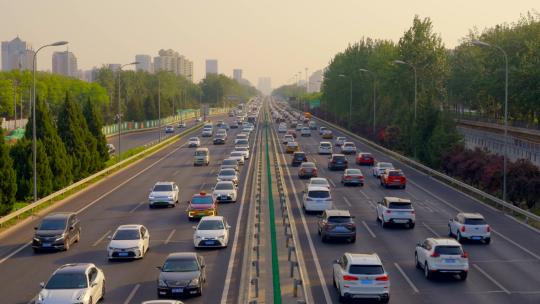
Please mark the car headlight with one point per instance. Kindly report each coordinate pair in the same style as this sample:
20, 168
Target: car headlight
198, 237
59, 237
170, 197
221, 237
37, 240
151, 197
194, 282
161, 283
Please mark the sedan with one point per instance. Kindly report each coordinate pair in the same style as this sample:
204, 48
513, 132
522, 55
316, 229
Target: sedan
228, 175
348, 148
182, 274
380, 167
225, 192
194, 142
307, 170
129, 242
212, 231
365, 159
318, 182
352, 177
169, 129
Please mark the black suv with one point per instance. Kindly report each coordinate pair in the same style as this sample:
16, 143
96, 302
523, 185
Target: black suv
298, 158
57, 231
337, 224
338, 162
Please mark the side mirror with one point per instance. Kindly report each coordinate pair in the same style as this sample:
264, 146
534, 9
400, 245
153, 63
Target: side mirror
36, 228
353, 216
319, 216
379, 203
42, 284
158, 267
203, 266
71, 228
228, 226
419, 244
336, 261
194, 227
109, 237
93, 284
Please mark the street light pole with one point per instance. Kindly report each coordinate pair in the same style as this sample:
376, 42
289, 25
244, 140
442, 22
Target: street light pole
350, 98
34, 136
505, 150
119, 118
415, 98
374, 94
159, 107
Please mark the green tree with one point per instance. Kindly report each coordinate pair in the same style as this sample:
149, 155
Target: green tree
8, 185
21, 153
95, 125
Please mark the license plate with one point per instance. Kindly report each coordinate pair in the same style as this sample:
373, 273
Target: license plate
46, 245
123, 254
401, 221
449, 261
366, 282
177, 290
476, 238
210, 242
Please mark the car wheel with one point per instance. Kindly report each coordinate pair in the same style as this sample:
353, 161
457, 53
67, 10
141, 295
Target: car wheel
463, 276
352, 240
427, 272
36, 250
411, 225
417, 263
103, 291
403, 187
459, 238
487, 241
319, 231
383, 223
67, 243
323, 238
91, 301
334, 280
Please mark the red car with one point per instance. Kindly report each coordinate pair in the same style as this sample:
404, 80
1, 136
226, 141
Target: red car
291, 132
393, 178
365, 159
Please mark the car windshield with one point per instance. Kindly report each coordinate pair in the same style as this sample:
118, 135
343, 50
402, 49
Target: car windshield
211, 225
395, 173
349, 145
201, 200
193, 139
319, 182
366, 269
450, 250
227, 172
475, 221
338, 158
404, 206
242, 142
67, 281
184, 265
299, 156
230, 162
308, 165
237, 153
162, 188
366, 155
126, 234
325, 145
241, 149
319, 194
200, 153
353, 171
53, 224
224, 186
340, 219
385, 165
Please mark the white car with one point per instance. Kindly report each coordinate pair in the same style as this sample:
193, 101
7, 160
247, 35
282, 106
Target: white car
340, 140
317, 198
282, 128
321, 130
225, 192
299, 127
380, 168
241, 142
230, 163
82, 283
312, 125
169, 129
212, 231
287, 138
162, 302
318, 181
361, 276
243, 149
163, 194
441, 255
305, 131
194, 142
239, 156
228, 175
128, 242
469, 226
348, 147
241, 136
395, 210
207, 133
325, 147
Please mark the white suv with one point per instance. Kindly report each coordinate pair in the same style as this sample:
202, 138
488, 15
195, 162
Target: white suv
380, 168
163, 194
325, 147
305, 131
395, 210
361, 276
317, 198
469, 226
441, 255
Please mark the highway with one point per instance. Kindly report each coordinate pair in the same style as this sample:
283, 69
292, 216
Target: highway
122, 199
506, 271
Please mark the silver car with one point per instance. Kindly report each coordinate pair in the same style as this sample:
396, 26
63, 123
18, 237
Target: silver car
228, 175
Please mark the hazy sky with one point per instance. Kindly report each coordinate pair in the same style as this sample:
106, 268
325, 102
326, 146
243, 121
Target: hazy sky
275, 38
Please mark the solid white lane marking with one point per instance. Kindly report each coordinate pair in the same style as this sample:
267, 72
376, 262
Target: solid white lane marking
135, 208
364, 194
15, 252
132, 294
331, 182
516, 244
406, 278
369, 229
491, 279
347, 201
431, 229
101, 238
168, 239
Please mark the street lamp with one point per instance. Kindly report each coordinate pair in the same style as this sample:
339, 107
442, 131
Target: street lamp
350, 97
34, 139
119, 118
374, 92
415, 82
485, 44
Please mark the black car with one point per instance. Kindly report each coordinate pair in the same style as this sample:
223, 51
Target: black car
298, 158
182, 274
338, 162
57, 231
219, 140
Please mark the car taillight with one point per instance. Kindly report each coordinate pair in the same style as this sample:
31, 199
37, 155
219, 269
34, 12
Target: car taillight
348, 177
383, 278
464, 255
349, 278
462, 229
435, 255
388, 211
351, 226
488, 228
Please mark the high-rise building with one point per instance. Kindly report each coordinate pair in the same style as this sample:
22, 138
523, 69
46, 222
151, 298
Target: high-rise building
315, 81
237, 74
265, 85
169, 60
16, 54
114, 66
211, 66
64, 63
144, 63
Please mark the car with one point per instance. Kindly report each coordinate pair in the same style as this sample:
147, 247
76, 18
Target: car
198, 119
292, 147
225, 192
240, 136
318, 181
164, 194
327, 134
298, 158
57, 231
219, 139
224, 126
395, 210
110, 148
234, 124
212, 231
282, 128
325, 147
365, 159
340, 140
307, 170
162, 302
222, 132
207, 132
312, 125
201, 157
337, 224
443, 256
293, 124
194, 142
182, 274
181, 125
230, 163
348, 147
379, 168
243, 149
201, 204
321, 130
239, 156
231, 113
352, 177
361, 276
305, 131
82, 283
299, 127
287, 138
469, 227
241, 142
169, 129
292, 132
128, 242
337, 162
228, 175
317, 198
393, 178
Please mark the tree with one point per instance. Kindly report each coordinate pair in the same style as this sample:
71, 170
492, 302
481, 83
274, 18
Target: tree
21, 154
58, 158
95, 125
8, 185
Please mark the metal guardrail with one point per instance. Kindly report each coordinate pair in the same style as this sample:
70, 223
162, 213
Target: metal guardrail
452, 181
104, 172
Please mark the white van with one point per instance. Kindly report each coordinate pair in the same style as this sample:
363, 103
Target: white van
201, 157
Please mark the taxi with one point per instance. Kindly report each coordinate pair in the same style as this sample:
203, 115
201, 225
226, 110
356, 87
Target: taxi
327, 134
201, 204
